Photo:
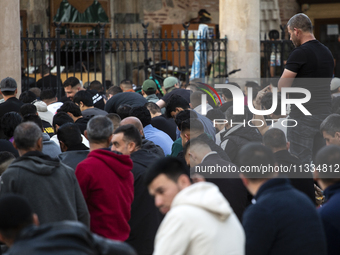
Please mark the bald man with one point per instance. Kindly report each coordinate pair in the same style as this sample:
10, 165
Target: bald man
146, 144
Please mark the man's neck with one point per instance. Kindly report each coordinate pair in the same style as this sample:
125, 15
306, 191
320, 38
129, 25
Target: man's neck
77, 118
48, 102
87, 107
308, 37
156, 114
254, 186
46, 74
96, 146
8, 97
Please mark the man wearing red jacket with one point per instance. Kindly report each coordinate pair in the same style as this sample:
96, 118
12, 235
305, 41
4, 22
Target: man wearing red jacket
106, 181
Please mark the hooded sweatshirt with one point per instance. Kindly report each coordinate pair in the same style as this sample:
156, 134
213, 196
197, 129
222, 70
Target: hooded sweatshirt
50, 186
106, 181
200, 221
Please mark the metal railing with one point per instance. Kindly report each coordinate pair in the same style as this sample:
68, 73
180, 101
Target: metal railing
94, 56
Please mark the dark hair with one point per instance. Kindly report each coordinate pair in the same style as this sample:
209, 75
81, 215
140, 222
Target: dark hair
274, 138
71, 81
70, 107
184, 115
254, 155
256, 88
44, 69
15, 214
238, 118
6, 158
83, 96
26, 135
99, 129
7, 93
60, 118
47, 94
267, 102
27, 97
114, 117
175, 101
215, 114
113, 90
130, 133
9, 122
142, 113
227, 93
192, 124
69, 134
153, 107
33, 118
327, 159
300, 21
331, 124
28, 109
172, 167
194, 142
126, 81
124, 111
96, 85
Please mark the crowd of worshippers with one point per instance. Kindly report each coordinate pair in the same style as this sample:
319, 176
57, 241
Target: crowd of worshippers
114, 173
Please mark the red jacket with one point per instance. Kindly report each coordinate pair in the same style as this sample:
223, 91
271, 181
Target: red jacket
106, 181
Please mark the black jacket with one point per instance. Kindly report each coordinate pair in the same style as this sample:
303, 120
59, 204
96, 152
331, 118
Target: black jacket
214, 147
66, 237
145, 217
235, 137
151, 146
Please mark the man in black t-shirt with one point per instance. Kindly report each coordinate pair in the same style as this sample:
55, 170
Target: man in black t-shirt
309, 66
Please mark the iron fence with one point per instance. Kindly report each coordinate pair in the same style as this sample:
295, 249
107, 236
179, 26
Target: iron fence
94, 56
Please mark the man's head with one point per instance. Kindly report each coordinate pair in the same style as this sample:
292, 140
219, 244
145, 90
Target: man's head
48, 96
71, 86
110, 92
142, 113
34, 118
15, 215
255, 88
170, 83
267, 102
124, 111
126, 85
165, 178
133, 121
175, 105
253, 156
149, 87
83, 99
232, 119
194, 151
96, 85
190, 128
275, 139
60, 118
8, 87
9, 122
28, 109
36, 91
327, 159
226, 93
99, 130
114, 117
153, 109
71, 109
27, 137
298, 26
126, 139
335, 85
330, 129
195, 99
69, 135
27, 97
216, 114
6, 158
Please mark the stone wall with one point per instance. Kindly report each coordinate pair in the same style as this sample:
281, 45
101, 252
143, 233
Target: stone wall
37, 15
288, 8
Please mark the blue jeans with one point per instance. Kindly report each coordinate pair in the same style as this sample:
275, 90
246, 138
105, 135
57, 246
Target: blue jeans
304, 136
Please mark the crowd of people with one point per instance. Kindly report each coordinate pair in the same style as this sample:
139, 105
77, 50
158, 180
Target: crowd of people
123, 172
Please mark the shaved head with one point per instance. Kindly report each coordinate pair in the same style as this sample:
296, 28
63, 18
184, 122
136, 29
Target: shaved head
133, 121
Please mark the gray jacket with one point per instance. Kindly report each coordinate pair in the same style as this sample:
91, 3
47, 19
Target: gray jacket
50, 186
50, 148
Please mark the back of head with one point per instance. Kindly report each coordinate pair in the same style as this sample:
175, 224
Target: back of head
27, 97
6, 158
124, 111
174, 102
133, 121
61, 118
47, 94
83, 96
227, 93
34, 118
71, 81
9, 122
114, 117
215, 114
169, 83
230, 117
254, 155
192, 125
96, 85
26, 135
99, 129
196, 144
8, 86
142, 113
69, 134
28, 109
172, 167
196, 99
331, 124
44, 69
131, 134
70, 107
126, 84
327, 160
184, 115
149, 87
153, 108
15, 214
113, 91
275, 139
300, 21
36, 91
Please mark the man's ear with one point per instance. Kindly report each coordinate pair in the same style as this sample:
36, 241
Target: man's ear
337, 135
110, 138
85, 134
288, 145
131, 147
39, 144
63, 146
14, 145
35, 219
190, 105
71, 115
183, 181
245, 181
